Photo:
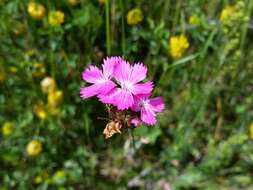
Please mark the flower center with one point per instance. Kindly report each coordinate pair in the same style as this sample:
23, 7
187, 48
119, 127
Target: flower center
144, 103
127, 86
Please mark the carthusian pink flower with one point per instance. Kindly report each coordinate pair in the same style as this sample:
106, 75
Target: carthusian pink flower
148, 108
120, 86
128, 78
100, 79
136, 122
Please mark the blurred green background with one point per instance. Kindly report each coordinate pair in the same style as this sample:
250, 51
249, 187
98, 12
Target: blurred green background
199, 54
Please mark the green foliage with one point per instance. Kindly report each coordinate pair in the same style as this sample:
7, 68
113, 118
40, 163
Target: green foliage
202, 140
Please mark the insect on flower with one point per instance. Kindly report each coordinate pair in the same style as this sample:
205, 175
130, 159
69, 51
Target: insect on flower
119, 85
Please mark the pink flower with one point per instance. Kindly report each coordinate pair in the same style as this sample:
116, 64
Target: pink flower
100, 79
127, 77
148, 108
135, 121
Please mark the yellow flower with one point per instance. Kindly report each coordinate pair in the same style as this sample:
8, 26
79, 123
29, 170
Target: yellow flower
31, 52
194, 20
2, 75
102, 2
59, 174
36, 10
226, 13
54, 111
38, 179
56, 18
59, 177
41, 111
13, 69
7, 129
73, 2
54, 98
39, 70
251, 130
134, 16
34, 148
178, 45
48, 84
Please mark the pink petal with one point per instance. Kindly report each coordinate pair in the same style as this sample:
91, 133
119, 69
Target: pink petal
89, 91
108, 97
136, 107
148, 116
157, 104
122, 99
109, 65
139, 72
135, 121
105, 87
92, 74
143, 88
122, 71
96, 89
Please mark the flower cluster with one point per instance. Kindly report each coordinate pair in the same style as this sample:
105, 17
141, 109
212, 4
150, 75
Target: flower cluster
54, 99
232, 16
194, 20
251, 130
73, 2
119, 84
36, 10
134, 16
7, 128
34, 148
178, 45
55, 18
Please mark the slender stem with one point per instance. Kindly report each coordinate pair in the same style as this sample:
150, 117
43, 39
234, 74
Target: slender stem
107, 21
177, 14
245, 26
123, 35
132, 137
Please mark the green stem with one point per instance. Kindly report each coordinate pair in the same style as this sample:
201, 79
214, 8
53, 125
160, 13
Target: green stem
177, 13
107, 21
123, 35
132, 137
245, 26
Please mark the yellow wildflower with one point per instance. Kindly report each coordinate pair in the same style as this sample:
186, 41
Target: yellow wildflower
56, 18
73, 2
59, 177
13, 69
2, 75
178, 45
39, 70
54, 98
7, 128
134, 16
41, 111
38, 179
251, 130
36, 10
34, 148
102, 2
48, 84
54, 111
194, 20
59, 173
31, 52
226, 13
